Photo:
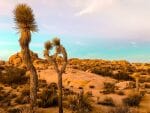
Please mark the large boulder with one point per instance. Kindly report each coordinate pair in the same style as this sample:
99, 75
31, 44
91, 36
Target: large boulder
17, 60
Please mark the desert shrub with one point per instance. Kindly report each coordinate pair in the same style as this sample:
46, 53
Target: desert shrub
80, 87
13, 76
25, 91
120, 109
80, 103
92, 86
53, 85
108, 101
1, 96
147, 85
121, 75
120, 92
132, 99
89, 93
102, 71
25, 110
48, 98
13, 96
22, 100
1, 88
42, 83
24, 97
108, 87
14, 110
5, 102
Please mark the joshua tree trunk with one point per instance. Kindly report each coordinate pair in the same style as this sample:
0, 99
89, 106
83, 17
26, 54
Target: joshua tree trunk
137, 84
60, 92
28, 62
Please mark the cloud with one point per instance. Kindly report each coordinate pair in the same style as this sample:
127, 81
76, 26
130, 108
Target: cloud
134, 44
95, 6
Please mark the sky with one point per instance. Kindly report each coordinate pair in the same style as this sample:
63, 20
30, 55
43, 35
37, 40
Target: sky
101, 29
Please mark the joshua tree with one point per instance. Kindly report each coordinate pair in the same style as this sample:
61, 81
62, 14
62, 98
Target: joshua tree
136, 76
25, 23
59, 49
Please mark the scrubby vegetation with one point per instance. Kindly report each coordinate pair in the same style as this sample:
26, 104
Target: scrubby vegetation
132, 99
80, 103
109, 87
48, 97
119, 70
12, 75
108, 101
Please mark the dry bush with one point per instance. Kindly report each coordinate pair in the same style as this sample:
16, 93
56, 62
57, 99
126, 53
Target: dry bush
120, 92
80, 103
147, 85
108, 101
13, 110
42, 83
48, 98
13, 76
132, 99
24, 97
92, 86
122, 75
109, 87
122, 109
25, 110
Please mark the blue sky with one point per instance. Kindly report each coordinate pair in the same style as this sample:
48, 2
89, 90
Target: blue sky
104, 29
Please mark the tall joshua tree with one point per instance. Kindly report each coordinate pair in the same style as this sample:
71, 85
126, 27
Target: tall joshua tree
25, 23
59, 49
136, 76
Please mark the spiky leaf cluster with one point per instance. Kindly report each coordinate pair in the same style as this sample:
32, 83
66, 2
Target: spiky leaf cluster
56, 41
48, 45
24, 18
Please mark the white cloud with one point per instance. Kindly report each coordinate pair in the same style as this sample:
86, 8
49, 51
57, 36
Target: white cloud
134, 44
95, 6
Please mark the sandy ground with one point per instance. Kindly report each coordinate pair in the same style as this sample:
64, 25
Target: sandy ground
77, 78
145, 104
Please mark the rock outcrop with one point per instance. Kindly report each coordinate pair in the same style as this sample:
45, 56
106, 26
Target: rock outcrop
17, 60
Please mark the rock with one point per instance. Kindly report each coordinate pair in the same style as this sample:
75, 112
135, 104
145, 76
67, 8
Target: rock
17, 60
124, 85
2, 62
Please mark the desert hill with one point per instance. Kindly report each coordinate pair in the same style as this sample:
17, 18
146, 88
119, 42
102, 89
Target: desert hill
107, 83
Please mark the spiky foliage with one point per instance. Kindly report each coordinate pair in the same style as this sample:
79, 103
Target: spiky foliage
24, 18
56, 41
48, 45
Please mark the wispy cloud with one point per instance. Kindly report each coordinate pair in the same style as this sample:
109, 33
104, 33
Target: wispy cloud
134, 44
94, 6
